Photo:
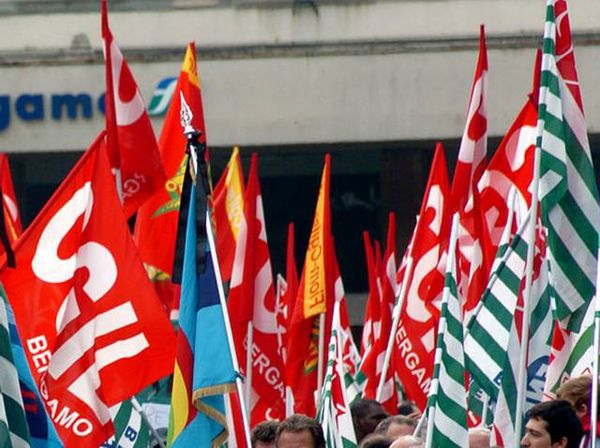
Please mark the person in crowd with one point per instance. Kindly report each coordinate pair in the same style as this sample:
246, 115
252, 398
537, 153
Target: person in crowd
395, 426
407, 442
375, 441
479, 438
409, 408
552, 424
578, 392
263, 435
299, 431
366, 415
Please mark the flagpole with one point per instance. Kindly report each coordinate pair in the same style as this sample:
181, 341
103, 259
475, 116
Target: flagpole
433, 390
321, 361
236, 367
395, 322
138, 408
193, 144
249, 347
594, 416
533, 212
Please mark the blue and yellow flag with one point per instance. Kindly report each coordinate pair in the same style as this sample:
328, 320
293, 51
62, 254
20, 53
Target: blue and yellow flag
204, 363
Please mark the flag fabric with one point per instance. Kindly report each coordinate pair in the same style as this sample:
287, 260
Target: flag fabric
252, 300
287, 291
511, 167
415, 335
156, 221
372, 366
568, 191
204, 365
334, 405
14, 431
41, 429
473, 239
132, 148
315, 295
228, 208
448, 398
131, 431
12, 216
87, 314
489, 330
371, 320
473, 145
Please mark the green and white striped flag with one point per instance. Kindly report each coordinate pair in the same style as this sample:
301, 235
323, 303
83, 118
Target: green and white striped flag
14, 432
447, 406
540, 332
334, 404
487, 340
131, 431
568, 192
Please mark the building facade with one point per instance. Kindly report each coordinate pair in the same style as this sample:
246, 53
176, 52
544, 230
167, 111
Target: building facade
374, 82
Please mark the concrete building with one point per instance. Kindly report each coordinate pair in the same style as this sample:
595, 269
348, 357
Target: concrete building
374, 82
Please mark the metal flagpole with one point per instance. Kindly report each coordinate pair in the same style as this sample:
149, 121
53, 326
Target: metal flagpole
594, 410
249, 345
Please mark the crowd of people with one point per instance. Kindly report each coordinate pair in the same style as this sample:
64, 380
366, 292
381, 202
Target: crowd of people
560, 423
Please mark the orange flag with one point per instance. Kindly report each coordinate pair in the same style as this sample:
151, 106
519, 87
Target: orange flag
315, 295
228, 209
156, 223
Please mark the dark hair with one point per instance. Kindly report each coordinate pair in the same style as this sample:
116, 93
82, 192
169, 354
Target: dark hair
360, 408
299, 423
264, 432
406, 407
375, 441
384, 424
561, 421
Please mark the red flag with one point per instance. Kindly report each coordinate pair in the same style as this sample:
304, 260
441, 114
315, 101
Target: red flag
156, 222
287, 292
315, 295
373, 363
415, 335
252, 299
9, 201
90, 321
228, 210
372, 311
132, 147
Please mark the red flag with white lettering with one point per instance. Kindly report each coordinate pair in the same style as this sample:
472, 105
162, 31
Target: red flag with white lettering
132, 147
415, 335
252, 299
91, 324
12, 216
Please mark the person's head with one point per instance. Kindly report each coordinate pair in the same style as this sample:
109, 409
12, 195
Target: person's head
578, 392
299, 431
479, 438
375, 441
366, 415
263, 435
407, 407
407, 442
552, 424
395, 426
